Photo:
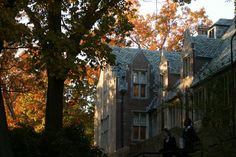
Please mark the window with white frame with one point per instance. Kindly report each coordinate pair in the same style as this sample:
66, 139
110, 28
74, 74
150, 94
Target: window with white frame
211, 33
140, 84
139, 127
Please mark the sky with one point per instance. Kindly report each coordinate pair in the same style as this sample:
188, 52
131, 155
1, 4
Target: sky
215, 9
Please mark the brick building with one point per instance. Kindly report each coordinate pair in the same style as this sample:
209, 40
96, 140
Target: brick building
150, 90
125, 91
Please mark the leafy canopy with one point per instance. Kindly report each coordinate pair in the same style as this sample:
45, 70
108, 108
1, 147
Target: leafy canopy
87, 27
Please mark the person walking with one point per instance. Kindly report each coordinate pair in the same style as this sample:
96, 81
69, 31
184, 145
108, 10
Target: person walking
189, 138
169, 145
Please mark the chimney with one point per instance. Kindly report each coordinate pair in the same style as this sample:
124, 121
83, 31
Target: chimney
202, 30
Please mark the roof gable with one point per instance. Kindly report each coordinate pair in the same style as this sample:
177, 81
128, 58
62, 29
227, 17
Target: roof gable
125, 56
140, 60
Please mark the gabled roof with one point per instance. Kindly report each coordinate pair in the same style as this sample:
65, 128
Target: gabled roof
125, 56
221, 61
223, 22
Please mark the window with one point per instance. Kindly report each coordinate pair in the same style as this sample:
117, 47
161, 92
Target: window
140, 84
199, 107
104, 131
173, 115
139, 126
186, 66
161, 81
212, 33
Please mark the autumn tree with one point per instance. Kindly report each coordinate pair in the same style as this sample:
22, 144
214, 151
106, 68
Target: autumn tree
79, 100
24, 92
70, 33
166, 28
10, 32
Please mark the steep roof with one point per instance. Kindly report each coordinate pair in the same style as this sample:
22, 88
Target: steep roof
175, 61
206, 47
223, 22
221, 61
125, 56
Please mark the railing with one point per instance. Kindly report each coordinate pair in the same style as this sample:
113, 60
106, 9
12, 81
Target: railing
147, 153
142, 154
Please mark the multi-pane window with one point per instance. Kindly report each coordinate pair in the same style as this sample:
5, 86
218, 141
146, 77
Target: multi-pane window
139, 126
140, 84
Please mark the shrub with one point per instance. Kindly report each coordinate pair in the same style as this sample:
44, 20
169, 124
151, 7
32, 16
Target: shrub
69, 142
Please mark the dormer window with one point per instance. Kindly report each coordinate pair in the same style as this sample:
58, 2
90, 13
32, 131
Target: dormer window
140, 84
211, 33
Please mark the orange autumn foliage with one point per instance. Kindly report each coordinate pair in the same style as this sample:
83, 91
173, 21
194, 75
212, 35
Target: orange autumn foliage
166, 28
25, 92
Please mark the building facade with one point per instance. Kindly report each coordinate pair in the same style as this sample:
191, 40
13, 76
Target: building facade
150, 90
125, 91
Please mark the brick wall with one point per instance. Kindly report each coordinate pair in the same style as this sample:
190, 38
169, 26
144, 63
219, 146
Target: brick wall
130, 103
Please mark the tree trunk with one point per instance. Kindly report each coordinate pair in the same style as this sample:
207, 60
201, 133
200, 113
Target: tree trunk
5, 146
54, 108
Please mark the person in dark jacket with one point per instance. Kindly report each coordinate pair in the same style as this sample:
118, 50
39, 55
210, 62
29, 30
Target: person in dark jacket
189, 138
169, 145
